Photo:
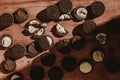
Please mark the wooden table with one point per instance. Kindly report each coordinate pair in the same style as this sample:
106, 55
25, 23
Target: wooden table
34, 6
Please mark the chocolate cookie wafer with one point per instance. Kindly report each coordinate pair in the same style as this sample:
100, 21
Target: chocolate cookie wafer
16, 76
6, 20
20, 15
65, 6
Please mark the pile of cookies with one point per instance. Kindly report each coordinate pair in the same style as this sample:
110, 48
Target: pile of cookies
35, 28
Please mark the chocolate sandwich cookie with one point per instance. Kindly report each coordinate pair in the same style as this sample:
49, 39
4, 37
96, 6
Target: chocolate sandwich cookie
96, 9
45, 42
15, 52
48, 59
80, 13
85, 66
88, 26
50, 13
16, 76
77, 42
20, 15
59, 31
69, 63
55, 73
63, 46
6, 20
112, 64
35, 22
8, 65
102, 38
32, 49
65, 6
37, 73
6, 41
97, 54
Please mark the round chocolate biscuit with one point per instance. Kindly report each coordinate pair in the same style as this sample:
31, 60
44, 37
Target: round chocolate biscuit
63, 46
96, 9
20, 15
45, 42
8, 65
88, 26
52, 12
65, 6
112, 64
69, 63
102, 38
37, 73
85, 66
97, 54
77, 42
6, 20
15, 52
80, 13
48, 59
55, 73
16, 76
32, 49
6, 41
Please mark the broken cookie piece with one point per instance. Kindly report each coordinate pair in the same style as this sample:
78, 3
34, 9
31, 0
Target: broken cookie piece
59, 31
16, 76
64, 17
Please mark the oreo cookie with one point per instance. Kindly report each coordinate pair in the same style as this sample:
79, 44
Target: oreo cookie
97, 54
96, 9
77, 42
69, 63
37, 73
45, 42
6, 41
16, 76
48, 59
50, 13
112, 64
20, 15
102, 38
80, 13
59, 31
32, 49
65, 6
8, 65
15, 52
6, 20
85, 66
88, 26
63, 46
55, 73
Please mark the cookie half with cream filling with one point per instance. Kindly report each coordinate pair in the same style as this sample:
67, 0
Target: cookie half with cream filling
59, 31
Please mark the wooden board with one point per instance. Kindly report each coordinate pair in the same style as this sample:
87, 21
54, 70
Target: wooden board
33, 7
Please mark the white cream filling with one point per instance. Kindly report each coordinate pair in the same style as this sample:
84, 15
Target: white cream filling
101, 37
31, 29
98, 56
6, 41
14, 77
49, 40
44, 25
40, 32
82, 13
85, 67
64, 17
34, 22
60, 29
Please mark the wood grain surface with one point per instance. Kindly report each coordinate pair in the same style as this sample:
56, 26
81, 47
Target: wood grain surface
34, 6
